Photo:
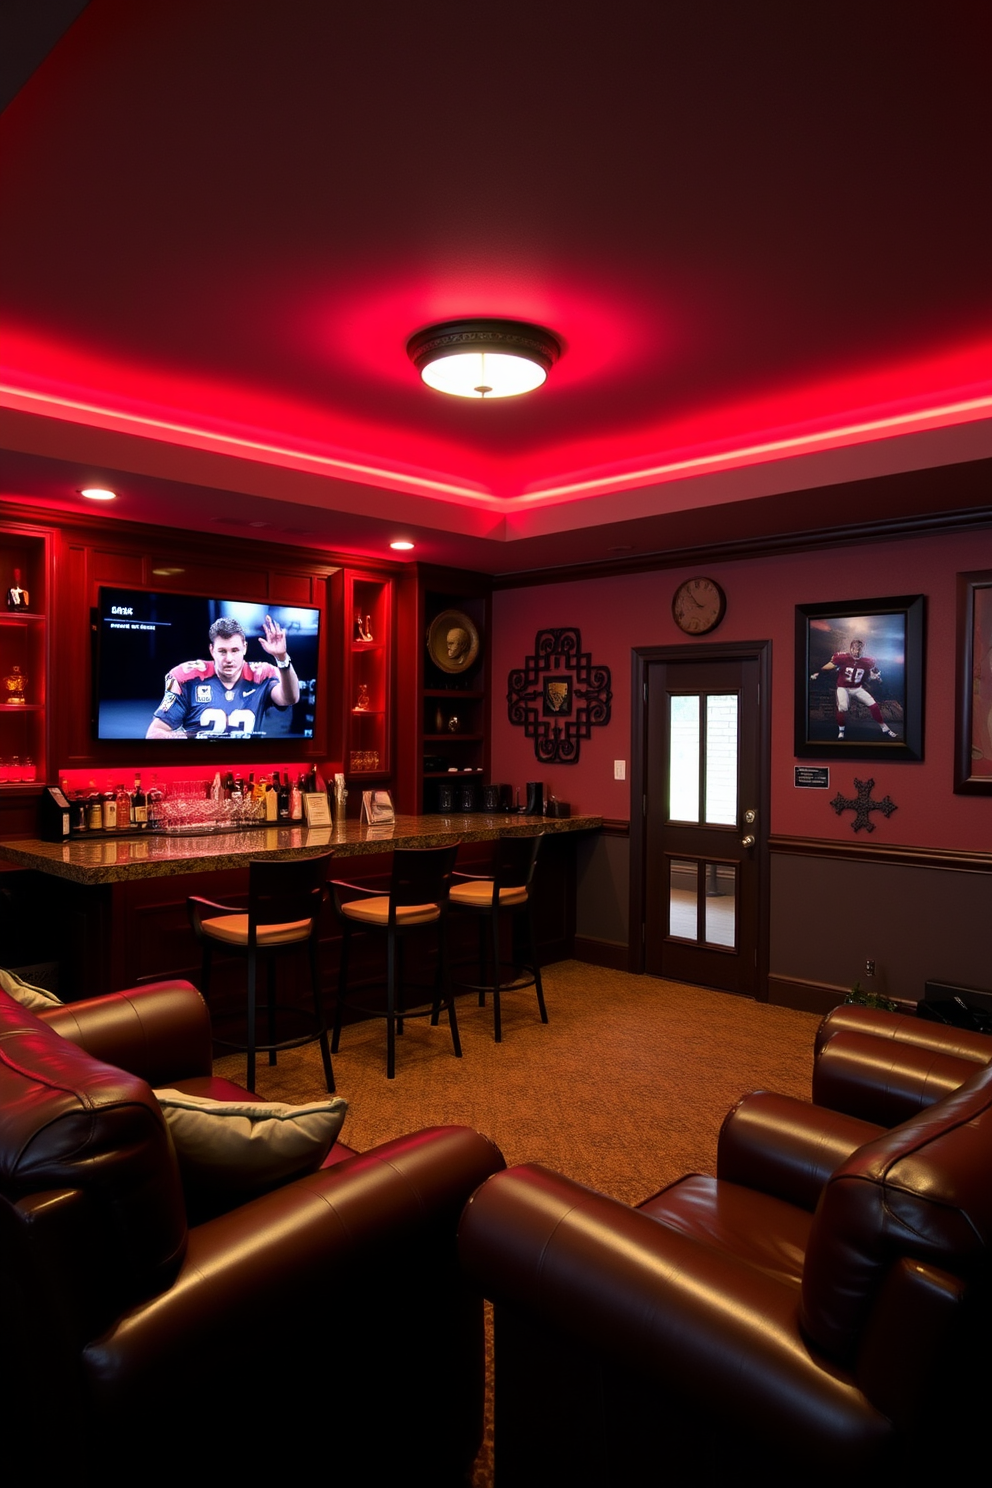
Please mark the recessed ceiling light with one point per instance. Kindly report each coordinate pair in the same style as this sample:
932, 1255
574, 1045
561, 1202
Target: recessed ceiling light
98, 493
401, 545
484, 358
167, 573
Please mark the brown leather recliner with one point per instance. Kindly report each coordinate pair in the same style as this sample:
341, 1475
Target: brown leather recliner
817, 1313
325, 1320
885, 1067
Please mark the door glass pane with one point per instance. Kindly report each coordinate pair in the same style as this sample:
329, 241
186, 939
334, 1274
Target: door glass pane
683, 769
721, 904
721, 759
683, 899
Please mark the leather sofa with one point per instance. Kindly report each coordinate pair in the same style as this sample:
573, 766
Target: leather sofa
884, 1067
324, 1320
816, 1313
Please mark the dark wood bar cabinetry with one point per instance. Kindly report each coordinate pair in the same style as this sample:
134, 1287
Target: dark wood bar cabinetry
115, 911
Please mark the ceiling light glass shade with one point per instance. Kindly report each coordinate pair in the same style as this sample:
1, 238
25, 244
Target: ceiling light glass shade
484, 358
98, 493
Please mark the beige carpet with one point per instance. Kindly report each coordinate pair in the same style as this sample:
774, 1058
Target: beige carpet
624, 1088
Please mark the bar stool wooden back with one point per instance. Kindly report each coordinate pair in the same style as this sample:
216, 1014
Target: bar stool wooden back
506, 890
417, 900
284, 900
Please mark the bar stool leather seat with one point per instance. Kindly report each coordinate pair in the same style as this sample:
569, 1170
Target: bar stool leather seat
233, 930
376, 912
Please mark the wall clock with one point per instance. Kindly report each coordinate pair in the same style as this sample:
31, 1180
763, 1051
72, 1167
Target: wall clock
698, 606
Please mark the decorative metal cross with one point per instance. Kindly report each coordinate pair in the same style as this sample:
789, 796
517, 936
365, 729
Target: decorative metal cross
558, 695
861, 804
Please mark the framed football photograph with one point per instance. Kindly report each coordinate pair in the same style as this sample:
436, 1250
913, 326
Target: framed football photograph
859, 679
973, 657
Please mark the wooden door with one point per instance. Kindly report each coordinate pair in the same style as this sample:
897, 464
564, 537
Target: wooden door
704, 807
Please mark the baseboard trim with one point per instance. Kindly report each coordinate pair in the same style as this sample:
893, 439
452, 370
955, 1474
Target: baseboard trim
814, 997
612, 954
805, 997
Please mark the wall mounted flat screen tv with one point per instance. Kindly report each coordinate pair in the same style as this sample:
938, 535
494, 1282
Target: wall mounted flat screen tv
177, 666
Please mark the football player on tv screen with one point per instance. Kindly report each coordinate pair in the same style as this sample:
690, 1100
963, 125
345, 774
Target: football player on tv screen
227, 696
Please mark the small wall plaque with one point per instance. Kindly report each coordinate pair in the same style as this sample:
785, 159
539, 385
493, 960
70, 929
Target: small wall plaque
812, 777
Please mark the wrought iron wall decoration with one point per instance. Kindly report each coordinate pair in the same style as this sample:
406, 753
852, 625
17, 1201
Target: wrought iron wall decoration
559, 696
862, 804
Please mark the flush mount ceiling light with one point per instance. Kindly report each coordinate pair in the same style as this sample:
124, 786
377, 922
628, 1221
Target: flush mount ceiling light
484, 358
98, 493
401, 545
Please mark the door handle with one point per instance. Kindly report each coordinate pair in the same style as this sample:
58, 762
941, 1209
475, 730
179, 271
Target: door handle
748, 841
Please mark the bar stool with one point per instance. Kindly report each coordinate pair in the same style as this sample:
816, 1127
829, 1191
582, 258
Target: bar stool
417, 900
284, 900
506, 890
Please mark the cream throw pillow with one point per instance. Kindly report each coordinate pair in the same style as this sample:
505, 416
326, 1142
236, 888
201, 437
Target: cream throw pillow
244, 1146
35, 999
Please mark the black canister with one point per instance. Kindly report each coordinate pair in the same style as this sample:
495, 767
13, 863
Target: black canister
491, 797
467, 796
535, 798
446, 796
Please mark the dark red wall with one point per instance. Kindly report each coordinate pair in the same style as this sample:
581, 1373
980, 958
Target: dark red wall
617, 614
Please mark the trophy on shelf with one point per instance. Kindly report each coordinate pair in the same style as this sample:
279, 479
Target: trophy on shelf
362, 706
17, 596
15, 686
363, 627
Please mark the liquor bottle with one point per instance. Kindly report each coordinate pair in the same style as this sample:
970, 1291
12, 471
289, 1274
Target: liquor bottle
238, 789
296, 801
284, 807
156, 795
229, 785
123, 802
94, 809
77, 808
272, 800
139, 806
17, 597
109, 822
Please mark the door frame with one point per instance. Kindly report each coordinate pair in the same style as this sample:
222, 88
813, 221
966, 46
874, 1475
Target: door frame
641, 658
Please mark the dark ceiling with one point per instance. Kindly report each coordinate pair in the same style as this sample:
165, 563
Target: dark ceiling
761, 233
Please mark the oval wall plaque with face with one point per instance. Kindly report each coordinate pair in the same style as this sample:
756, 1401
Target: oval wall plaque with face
453, 641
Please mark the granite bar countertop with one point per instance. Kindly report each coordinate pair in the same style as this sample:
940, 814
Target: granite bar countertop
118, 860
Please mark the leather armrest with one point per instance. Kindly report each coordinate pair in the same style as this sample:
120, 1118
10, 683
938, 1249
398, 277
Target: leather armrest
786, 1147
883, 1079
709, 1329
294, 1255
160, 1032
963, 1043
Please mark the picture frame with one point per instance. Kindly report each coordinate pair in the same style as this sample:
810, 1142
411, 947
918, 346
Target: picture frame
973, 710
377, 808
879, 714
316, 809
